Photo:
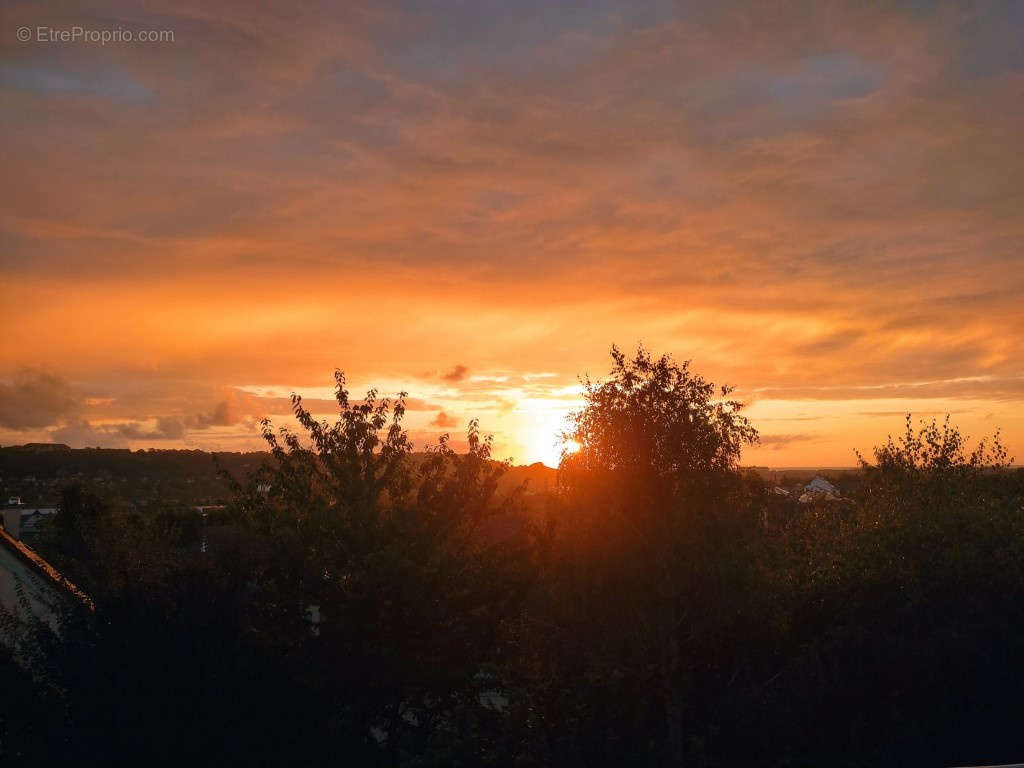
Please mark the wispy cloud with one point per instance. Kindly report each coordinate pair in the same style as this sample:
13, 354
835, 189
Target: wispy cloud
817, 200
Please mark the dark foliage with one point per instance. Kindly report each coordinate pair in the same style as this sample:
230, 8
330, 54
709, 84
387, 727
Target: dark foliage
358, 605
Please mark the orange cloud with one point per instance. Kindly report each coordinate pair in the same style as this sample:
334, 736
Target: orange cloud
817, 202
458, 373
443, 420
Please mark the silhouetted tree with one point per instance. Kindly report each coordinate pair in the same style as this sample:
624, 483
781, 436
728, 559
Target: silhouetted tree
356, 606
654, 521
383, 547
904, 631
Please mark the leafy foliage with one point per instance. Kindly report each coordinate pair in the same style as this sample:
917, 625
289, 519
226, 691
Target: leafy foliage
358, 604
654, 534
389, 551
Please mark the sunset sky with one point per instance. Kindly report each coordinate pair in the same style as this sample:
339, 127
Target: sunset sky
821, 203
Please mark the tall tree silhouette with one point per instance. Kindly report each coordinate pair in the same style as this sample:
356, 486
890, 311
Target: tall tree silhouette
382, 548
653, 491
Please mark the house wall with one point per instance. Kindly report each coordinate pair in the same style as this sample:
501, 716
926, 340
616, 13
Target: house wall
39, 595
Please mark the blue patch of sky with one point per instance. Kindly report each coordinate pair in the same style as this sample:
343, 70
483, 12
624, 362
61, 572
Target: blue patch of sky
461, 38
750, 101
46, 80
992, 40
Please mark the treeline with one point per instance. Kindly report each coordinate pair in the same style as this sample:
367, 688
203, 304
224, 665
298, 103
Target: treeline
37, 472
48, 460
664, 608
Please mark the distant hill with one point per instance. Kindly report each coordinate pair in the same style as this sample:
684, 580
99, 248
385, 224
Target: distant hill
36, 472
538, 476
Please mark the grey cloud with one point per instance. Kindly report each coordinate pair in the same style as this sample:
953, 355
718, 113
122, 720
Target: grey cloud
167, 428
993, 388
37, 398
224, 414
778, 442
81, 433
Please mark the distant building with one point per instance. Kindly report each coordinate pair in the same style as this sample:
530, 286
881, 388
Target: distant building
820, 485
819, 489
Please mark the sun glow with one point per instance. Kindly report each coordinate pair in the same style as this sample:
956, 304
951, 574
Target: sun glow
544, 421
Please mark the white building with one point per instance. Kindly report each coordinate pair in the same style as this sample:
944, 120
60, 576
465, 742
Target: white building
817, 490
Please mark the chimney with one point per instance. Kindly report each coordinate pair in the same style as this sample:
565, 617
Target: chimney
12, 522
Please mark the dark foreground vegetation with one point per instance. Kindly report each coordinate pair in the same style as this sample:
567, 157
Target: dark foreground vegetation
356, 606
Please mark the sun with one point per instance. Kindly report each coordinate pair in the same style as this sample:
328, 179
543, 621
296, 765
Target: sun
543, 422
